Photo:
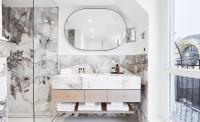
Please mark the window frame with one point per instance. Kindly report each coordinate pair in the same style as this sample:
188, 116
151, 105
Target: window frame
173, 71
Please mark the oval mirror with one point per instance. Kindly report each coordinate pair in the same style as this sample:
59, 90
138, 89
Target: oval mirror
95, 29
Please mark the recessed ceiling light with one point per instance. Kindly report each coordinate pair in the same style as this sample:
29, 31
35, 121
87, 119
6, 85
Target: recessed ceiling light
89, 20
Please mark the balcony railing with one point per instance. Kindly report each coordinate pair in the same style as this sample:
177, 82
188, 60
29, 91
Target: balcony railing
188, 89
184, 65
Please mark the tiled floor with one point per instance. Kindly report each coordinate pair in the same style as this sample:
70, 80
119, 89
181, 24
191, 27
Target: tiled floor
76, 119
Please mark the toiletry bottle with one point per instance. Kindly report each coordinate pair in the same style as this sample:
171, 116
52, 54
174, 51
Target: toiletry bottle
79, 70
117, 69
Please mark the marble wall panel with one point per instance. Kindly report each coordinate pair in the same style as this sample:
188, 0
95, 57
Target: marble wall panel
45, 59
27, 61
102, 64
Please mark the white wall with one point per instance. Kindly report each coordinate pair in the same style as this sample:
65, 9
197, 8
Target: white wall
157, 78
64, 48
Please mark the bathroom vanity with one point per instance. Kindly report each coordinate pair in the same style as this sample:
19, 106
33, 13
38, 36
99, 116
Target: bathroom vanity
72, 90
96, 88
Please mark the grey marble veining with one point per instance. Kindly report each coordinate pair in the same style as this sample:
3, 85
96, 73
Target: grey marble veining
102, 64
6, 21
18, 28
45, 60
96, 81
20, 61
3, 90
3, 112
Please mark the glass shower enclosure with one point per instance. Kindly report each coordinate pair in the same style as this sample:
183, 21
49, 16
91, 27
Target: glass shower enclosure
31, 30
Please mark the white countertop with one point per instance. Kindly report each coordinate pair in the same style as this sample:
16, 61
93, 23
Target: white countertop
96, 81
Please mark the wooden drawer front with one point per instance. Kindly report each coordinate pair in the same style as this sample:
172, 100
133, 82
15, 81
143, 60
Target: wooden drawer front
68, 95
95, 95
124, 95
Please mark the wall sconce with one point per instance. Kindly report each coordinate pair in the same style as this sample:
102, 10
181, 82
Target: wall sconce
130, 35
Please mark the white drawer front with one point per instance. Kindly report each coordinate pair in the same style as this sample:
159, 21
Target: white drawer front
95, 95
68, 95
124, 95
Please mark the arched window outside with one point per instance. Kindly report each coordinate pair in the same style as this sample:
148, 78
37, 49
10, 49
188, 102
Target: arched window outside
190, 56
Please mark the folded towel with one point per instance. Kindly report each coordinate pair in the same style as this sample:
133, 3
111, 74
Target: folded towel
65, 106
89, 107
90, 104
117, 103
118, 107
68, 109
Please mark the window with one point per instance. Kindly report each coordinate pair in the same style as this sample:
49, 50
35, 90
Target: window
185, 61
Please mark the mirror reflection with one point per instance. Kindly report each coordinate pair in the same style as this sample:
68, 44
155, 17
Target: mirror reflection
95, 29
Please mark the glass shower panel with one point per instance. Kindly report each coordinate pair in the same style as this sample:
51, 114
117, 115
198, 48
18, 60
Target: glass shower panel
17, 20
45, 56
